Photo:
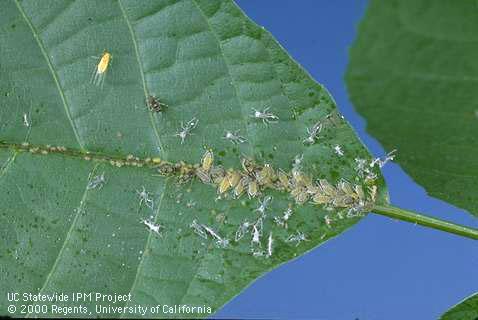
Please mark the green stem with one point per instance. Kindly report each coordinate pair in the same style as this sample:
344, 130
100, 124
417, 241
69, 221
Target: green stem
426, 221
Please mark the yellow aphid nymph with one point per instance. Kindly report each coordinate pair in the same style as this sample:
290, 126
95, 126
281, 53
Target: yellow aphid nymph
101, 69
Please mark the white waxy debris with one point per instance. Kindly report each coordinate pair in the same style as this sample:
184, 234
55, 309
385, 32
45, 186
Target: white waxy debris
234, 137
152, 226
186, 129
338, 150
264, 115
144, 198
298, 238
97, 182
269, 245
313, 133
381, 162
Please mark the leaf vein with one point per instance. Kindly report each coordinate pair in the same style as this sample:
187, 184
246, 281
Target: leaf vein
141, 71
68, 234
148, 241
244, 113
52, 71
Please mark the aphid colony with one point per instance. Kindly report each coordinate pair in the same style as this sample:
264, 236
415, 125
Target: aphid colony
253, 178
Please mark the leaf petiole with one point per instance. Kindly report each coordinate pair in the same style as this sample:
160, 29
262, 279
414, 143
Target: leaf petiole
423, 220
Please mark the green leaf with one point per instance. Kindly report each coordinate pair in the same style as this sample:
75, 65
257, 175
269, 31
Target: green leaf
77, 155
466, 310
412, 75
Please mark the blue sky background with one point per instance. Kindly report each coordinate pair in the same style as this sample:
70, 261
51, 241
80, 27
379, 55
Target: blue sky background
380, 269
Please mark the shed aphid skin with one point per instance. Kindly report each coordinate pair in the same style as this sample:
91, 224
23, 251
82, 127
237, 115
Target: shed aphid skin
234, 137
256, 236
242, 230
155, 105
338, 150
364, 170
26, 120
221, 242
152, 226
287, 214
313, 133
389, 157
198, 229
263, 205
186, 129
97, 182
297, 238
279, 222
101, 69
144, 198
269, 245
282, 221
264, 115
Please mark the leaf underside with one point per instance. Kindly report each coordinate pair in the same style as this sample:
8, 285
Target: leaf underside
205, 60
412, 74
